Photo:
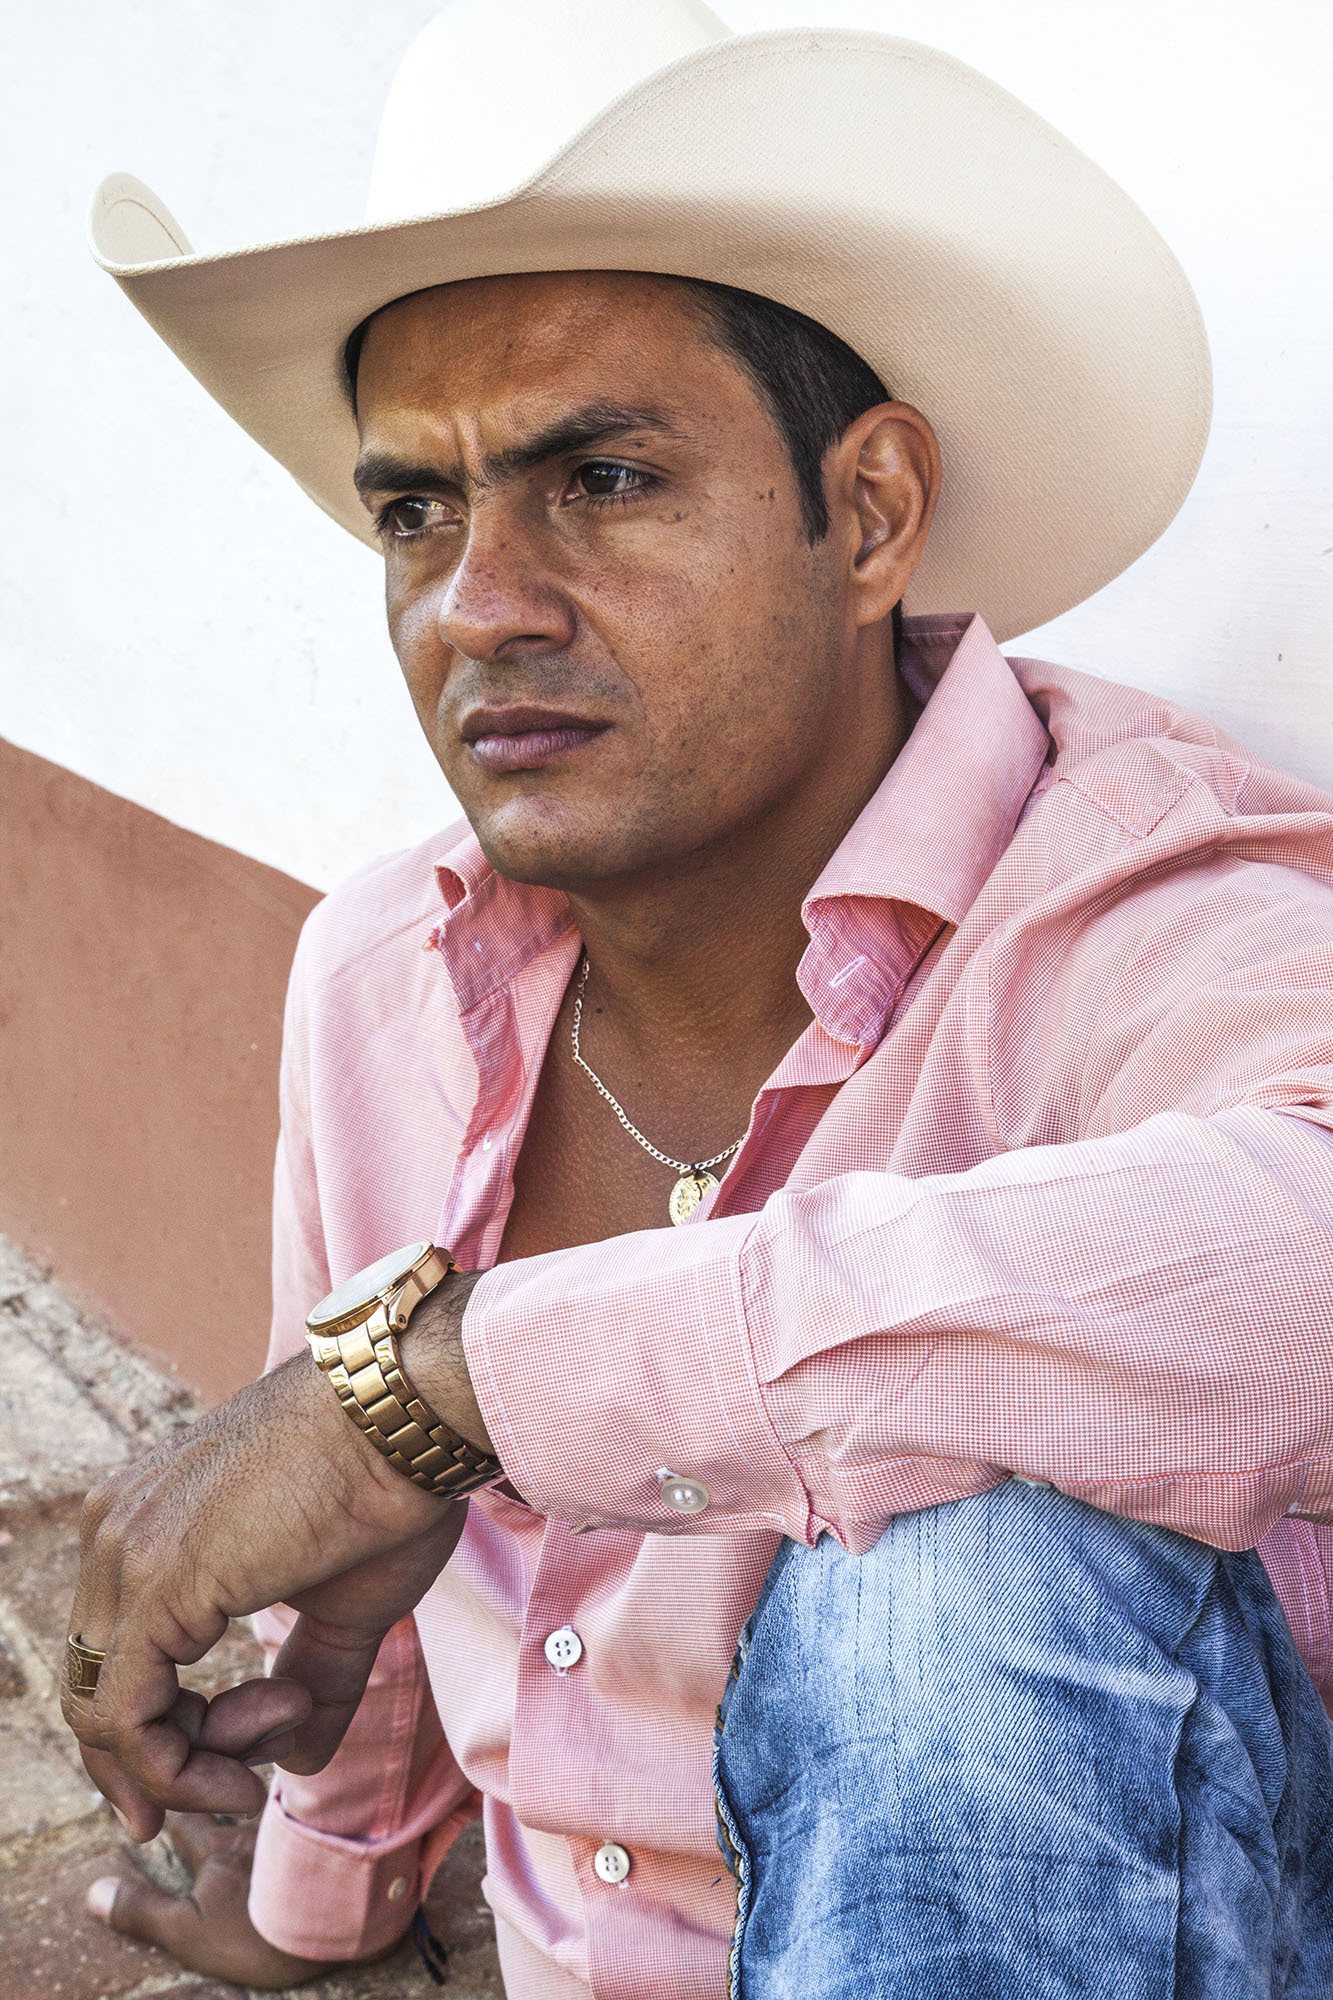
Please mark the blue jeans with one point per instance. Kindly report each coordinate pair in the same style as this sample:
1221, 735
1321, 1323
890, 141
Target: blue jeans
1025, 1750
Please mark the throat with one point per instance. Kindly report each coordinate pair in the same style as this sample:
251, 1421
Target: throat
695, 1178
585, 1172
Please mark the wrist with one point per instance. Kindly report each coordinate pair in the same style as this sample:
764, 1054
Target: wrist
432, 1349
359, 1476
423, 1419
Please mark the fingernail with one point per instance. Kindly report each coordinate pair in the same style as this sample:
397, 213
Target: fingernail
102, 1897
284, 1734
272, 1749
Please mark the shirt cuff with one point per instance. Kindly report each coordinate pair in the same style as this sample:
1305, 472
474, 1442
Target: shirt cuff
619, 1387
323, 1896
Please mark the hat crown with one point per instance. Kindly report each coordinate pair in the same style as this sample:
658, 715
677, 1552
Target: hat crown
487, 94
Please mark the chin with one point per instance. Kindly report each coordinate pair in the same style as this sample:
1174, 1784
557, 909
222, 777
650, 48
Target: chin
545, 855
553, 851
543, 868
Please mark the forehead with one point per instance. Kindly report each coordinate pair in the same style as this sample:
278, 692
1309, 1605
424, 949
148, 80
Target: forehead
533, 333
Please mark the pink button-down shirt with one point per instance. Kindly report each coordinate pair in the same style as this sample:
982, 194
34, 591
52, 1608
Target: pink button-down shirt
1045, 1187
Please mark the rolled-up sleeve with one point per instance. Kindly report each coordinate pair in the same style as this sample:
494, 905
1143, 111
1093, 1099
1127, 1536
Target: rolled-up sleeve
1141, 1319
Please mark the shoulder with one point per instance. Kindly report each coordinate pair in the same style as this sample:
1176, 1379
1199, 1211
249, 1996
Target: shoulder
1168, 777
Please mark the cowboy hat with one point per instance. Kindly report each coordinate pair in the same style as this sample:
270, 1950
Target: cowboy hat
986, 269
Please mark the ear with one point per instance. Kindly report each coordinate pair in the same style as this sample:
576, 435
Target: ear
883, 480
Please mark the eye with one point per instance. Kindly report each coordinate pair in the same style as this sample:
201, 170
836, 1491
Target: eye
603, 480
406, 520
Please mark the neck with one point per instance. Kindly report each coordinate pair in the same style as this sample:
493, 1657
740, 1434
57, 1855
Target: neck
705, 950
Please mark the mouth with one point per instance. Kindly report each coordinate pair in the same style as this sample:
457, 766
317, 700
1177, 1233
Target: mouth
501, 740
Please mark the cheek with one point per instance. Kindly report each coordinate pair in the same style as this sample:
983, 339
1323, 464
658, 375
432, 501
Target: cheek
732, 718
740, 646
415, 636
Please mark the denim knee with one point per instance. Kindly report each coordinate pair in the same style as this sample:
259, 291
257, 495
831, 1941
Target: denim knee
971, 1643
954, 1763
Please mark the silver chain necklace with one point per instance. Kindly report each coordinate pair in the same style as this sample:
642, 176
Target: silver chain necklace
695, 1180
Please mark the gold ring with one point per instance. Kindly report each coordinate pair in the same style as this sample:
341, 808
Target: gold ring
82, 1666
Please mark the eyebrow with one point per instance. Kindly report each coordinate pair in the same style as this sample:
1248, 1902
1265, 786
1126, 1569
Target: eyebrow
591, 424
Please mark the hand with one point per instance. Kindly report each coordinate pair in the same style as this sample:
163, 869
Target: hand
208, 1930
274, 1497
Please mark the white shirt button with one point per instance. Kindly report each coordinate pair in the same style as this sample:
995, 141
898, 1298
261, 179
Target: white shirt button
611, 1862
1038, 1485
683, 1496
563, 1649
397, 1888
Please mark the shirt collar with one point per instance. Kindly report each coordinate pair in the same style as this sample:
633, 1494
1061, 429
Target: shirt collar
920, 849
925, 842
948, 804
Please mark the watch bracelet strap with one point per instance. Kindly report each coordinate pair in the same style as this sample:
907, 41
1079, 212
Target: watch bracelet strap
368, 1377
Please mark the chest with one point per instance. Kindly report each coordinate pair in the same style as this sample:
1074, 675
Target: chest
581, 1176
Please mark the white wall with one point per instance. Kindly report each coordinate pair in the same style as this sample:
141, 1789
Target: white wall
183, 626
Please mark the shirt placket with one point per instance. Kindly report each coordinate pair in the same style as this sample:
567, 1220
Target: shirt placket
555, 1715
507, 1034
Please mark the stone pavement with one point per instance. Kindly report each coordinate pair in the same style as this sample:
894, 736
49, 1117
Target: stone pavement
74, 1403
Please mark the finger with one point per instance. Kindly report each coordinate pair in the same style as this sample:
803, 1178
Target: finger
137, 1908
93, 1515
333, 1666
198, 1781
92, 1616
188, 1712
235, 1737
246, 1720
133, 1720
197, 1836
139, 1816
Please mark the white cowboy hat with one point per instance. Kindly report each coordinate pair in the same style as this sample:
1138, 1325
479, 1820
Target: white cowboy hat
984, 267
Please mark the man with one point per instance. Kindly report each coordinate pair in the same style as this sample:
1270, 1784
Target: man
995, 999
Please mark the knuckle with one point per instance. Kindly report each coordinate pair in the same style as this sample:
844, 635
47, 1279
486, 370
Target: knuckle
108, 1514
137, 1567
96, 1506
142, 1563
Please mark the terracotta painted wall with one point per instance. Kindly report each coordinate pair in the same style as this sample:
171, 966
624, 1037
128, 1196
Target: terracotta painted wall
142, 972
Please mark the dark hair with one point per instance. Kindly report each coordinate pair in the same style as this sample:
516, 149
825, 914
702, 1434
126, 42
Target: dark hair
812, 384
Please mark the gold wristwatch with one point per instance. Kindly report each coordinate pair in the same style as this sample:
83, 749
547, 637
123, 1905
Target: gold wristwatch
353, 1336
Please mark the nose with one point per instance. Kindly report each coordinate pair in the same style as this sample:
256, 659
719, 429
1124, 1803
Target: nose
501, 597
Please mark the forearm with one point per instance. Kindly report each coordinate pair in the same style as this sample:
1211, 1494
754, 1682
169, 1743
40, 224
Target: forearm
1140, 1319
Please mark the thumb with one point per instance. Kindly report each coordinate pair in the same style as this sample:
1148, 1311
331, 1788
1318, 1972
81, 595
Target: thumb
249, 1721
332, 1663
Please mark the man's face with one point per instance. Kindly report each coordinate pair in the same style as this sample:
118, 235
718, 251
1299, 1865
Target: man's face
619, 642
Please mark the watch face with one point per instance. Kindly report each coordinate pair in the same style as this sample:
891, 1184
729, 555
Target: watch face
364, 1285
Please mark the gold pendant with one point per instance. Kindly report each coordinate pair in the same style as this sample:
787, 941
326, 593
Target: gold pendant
688, 1192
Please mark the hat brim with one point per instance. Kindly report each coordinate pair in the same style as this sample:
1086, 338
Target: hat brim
988, 271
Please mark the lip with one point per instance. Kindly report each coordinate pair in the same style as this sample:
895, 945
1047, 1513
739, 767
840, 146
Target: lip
524, 739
